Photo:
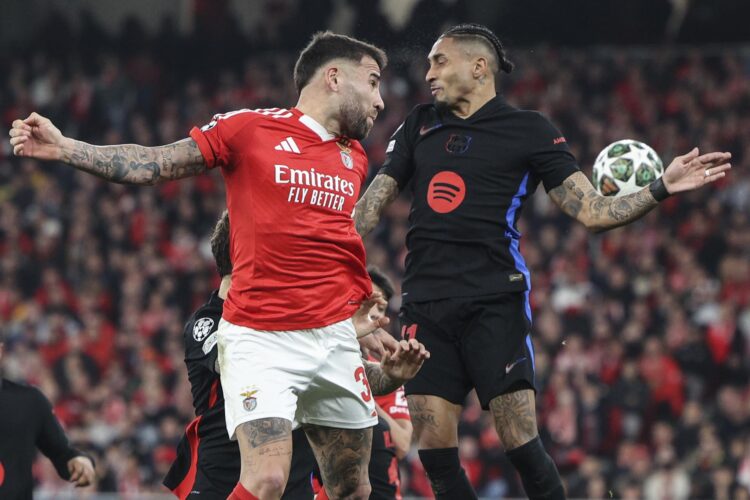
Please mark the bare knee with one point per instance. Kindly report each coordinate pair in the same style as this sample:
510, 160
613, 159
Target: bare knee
344, 491
515, 417
269, 484
265, 451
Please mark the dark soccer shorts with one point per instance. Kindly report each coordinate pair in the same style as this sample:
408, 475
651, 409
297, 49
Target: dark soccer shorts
474, 342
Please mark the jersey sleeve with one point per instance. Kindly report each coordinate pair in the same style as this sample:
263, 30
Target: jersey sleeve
550, 160
200, 341
399, 154
215, 139
51, 439
394, 404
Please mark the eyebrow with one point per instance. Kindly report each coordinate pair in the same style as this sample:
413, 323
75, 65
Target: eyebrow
375, 75
435, 56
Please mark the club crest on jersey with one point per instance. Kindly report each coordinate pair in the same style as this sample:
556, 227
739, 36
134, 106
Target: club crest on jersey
250, 402
458, 144
202, 328
346, 152
346, 159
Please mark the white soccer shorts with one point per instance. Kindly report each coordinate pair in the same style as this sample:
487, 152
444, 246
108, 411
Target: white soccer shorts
310, 376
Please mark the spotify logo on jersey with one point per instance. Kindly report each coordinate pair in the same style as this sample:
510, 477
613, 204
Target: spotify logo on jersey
446, 192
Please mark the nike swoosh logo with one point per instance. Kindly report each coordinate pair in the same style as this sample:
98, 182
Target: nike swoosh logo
510, 366
424, 130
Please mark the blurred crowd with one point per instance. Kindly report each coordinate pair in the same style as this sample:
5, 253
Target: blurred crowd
642, 334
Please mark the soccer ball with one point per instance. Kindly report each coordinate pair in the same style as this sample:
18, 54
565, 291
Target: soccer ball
625, 167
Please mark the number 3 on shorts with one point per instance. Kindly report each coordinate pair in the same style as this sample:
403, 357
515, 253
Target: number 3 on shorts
359, 376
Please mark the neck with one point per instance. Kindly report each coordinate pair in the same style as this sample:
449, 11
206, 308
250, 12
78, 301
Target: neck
315, 107
470, 104
226, 282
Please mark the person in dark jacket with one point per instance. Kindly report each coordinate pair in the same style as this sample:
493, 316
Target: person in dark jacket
27, 423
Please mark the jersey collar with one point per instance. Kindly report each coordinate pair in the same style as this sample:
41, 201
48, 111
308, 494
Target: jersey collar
312, 124
491, 106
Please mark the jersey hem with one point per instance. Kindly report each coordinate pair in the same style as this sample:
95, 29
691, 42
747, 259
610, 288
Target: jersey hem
418, 298
363, 424
277, 326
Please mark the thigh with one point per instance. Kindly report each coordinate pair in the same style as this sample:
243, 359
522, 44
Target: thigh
444, 374
515, 417
496, 345
265, 448
338, 395
435, 421
262, 372
343, 456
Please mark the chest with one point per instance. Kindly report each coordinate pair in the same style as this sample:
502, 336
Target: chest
292, 170
482, 160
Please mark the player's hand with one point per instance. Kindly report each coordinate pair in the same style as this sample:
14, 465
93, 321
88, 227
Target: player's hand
378, 343
694, 170
364, 324
406, 361
81, 471
36, 137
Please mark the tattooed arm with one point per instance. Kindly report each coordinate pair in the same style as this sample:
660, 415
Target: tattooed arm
380, 194
380, 383
397, 368
578, 198
134, 164
37, 137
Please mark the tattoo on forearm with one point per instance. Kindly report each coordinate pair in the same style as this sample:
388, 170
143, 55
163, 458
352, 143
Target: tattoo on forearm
134, 164
381, 192
515, 418
380, 383
343, 456
578, 198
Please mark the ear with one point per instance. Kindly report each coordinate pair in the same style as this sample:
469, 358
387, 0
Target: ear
331, 76
480, 68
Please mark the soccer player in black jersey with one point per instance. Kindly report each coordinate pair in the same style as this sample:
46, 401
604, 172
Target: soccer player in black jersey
471, 161
208, 462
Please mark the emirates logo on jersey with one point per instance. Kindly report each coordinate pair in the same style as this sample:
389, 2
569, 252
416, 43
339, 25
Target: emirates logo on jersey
314, 188
446, 192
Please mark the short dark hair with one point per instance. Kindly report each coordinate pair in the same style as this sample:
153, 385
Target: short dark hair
482, 34
220, 245
382, 281
326, 46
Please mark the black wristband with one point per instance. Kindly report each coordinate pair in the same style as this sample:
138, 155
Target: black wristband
659, 190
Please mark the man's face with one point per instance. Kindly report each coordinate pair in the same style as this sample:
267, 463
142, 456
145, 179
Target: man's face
450, 74
360, 98
377, 311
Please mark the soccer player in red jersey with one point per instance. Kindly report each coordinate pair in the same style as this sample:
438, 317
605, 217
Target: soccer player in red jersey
287, 346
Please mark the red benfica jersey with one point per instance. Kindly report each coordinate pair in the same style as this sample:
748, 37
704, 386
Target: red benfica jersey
297, 259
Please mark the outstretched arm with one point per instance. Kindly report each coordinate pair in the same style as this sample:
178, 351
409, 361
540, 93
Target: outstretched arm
578, 198
37, 137
382, 191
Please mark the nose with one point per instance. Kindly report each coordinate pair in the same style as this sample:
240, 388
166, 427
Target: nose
430, 76
379, 104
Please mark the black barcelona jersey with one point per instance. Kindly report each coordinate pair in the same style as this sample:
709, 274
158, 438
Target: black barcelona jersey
205, 446
469, 179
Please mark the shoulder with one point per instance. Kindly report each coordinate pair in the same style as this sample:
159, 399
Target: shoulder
26, 392
204, 321
242, 118
421, 119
